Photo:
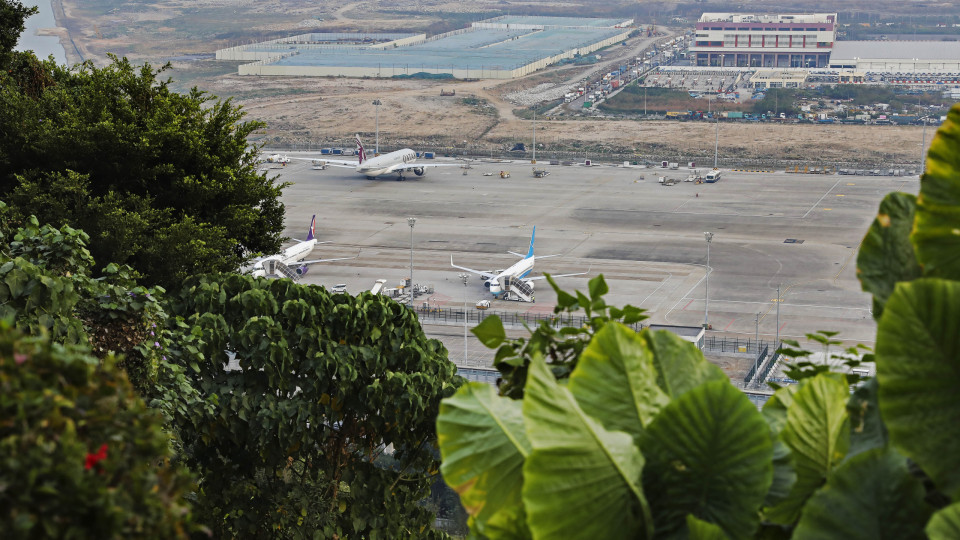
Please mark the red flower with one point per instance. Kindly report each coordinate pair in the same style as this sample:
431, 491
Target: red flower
93, 459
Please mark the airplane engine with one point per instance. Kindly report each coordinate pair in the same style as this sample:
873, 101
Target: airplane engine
487, 284
419, 171
529, 284
302, 269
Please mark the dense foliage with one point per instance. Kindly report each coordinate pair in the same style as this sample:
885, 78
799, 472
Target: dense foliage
81, 456
46, 287
326, 421
645, 439
161, 181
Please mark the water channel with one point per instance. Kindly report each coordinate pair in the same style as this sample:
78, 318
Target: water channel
42, 46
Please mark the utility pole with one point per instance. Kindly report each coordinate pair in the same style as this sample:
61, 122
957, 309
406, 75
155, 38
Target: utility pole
716, 145
923, 161
776, 343
756, 332
464, 277
376, 106
411, 221
706, 292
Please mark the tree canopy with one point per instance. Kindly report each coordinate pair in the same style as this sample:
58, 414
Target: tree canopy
324, 423
161, 181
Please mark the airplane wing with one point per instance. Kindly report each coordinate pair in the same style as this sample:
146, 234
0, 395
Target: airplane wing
557, 275
348, 164
522, 256
315, 261
483, 273
412, 166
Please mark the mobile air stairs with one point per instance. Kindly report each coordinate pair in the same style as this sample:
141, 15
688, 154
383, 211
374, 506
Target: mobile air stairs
517, 289
273, 267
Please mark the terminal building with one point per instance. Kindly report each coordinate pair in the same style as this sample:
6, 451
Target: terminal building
764, 41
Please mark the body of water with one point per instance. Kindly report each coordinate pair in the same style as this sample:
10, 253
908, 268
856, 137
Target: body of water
42, 46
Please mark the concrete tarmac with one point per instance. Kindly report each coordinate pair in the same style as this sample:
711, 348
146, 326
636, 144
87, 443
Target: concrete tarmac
799, 231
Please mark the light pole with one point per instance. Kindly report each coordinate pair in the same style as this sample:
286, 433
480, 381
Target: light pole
464, 277
706, 292
411, 221
534, 136
376, 148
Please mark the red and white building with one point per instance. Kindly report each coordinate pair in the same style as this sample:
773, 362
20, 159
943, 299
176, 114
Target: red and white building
775, 41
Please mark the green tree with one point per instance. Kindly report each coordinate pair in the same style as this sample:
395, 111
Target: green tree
13, 17
161, 181
46, 287
325, 425
81, 456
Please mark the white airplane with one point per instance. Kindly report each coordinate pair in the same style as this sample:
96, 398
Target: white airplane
275, 158
499, 281
397, 163
290, 261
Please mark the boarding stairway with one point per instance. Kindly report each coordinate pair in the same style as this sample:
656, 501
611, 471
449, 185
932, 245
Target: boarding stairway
273, 267
519, 288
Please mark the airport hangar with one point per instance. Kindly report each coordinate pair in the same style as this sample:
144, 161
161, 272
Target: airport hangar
500, 48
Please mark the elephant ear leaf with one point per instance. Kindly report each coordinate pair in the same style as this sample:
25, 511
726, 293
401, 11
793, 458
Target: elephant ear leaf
580, 480
886, 254
945, 524
918, 371
709, 453
483, 444
871, 496
936, 234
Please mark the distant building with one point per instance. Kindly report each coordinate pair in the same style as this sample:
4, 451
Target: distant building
910, 59
774, 41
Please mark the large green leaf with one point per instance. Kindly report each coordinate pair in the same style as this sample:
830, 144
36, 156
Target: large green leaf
784, 473
680, 364
945, 524
580, 480
615, 381
935, 235
817, 432
867, 430
704, 530
871, 496
886, 254
918, 368
483, 444
708, 454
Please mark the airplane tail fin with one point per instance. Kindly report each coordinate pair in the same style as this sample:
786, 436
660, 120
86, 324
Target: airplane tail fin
532, 237
361, 155
313, 226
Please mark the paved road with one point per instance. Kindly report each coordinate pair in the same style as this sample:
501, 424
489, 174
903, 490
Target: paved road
645, 238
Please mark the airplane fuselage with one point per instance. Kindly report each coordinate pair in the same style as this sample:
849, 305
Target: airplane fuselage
288, 256
520, 269
381, 165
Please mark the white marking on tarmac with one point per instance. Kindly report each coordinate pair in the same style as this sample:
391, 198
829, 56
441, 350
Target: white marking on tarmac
820, 199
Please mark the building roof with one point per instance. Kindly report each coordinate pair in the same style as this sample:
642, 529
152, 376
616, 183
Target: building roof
769, 18
475, 48
895, 50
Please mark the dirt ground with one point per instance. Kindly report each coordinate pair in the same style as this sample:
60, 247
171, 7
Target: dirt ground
311, 112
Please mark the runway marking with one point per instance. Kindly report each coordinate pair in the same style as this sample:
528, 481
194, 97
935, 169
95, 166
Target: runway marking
820, 199
688, 305
729, 325
781, 326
